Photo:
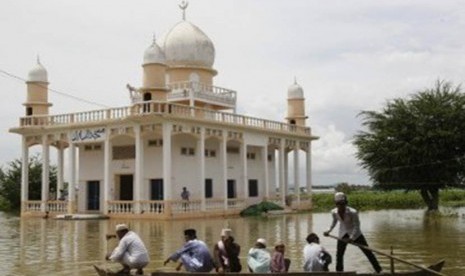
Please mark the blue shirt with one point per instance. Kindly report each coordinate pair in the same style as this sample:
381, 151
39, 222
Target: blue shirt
194, 256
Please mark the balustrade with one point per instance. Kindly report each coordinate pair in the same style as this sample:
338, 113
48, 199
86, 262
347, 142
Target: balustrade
145, 108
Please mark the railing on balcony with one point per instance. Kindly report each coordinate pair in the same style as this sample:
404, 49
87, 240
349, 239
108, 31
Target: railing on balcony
160, 108
148, 208
196, 90
120, 206
52, 206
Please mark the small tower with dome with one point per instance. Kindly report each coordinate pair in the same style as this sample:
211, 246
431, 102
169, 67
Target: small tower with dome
154, 74
37, 91
296, 105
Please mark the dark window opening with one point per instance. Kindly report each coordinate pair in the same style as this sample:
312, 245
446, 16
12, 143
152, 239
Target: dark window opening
208, 188
253, 187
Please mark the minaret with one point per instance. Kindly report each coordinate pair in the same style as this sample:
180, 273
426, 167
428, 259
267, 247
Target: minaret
37, 91
154, 79
296, 105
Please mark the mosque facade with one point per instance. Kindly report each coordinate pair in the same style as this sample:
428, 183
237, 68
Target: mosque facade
179, 130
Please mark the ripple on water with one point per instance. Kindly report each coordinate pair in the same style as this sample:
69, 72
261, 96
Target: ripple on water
51, 247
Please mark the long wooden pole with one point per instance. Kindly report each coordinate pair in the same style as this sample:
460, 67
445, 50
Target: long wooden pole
389, 256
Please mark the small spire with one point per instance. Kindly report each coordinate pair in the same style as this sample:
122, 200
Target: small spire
295, 80
154, 39
183, 7
38, 59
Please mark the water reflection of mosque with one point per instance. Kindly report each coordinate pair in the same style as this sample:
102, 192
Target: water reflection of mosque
72, 246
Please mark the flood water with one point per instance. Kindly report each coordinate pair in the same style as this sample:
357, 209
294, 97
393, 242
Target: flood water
53, 247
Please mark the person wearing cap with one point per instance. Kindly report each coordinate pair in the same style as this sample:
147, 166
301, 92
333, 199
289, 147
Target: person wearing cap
226, 253
194, 254
278, 262
316, 258
130, 252
349, 231
259, 258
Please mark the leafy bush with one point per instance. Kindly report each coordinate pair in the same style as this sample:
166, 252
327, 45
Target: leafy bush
258, 209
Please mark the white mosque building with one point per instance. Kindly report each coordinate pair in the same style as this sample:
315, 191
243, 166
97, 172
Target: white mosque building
180, 130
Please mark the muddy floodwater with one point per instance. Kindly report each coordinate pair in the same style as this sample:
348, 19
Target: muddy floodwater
54, 247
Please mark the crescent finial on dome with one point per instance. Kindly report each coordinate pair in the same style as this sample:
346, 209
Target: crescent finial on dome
183, 7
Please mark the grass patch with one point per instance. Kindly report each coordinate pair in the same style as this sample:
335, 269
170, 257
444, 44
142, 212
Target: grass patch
378, 200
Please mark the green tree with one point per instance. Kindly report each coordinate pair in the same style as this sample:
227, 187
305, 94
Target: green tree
10, 183
416, 143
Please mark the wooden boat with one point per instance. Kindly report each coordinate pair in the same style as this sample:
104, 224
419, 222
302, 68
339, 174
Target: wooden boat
435, 267
106, 272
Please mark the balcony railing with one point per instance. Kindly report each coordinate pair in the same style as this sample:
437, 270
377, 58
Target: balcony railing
196, 90
159, 108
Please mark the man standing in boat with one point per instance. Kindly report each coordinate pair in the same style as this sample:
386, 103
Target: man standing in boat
194, 255
349, 231
130, 252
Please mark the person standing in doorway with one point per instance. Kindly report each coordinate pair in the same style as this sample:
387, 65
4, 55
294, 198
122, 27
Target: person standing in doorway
349, 231
185, 194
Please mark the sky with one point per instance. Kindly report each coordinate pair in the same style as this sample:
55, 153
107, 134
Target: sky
348, 56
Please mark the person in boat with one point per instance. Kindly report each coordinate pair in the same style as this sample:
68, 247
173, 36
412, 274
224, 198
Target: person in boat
259, 258
278, 262
130, 252
316, 258
226, 253
349, 231
194, 254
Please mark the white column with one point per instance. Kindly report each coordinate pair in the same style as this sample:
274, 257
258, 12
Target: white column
60, 173
139, 170
224, 166
281, 173
296, 176
72, 179
24, 171
107, 171
45, 172
286, 171
309, 170
244, 170
266, 178
201, 147
167, 160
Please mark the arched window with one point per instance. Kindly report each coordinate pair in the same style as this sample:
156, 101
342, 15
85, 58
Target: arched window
292, 122
147, 98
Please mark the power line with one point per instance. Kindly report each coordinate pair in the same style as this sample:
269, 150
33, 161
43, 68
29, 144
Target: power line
54, 90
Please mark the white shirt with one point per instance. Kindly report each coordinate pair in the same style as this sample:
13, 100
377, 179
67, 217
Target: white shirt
259, 260
312, 253
132, 248
348, 224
